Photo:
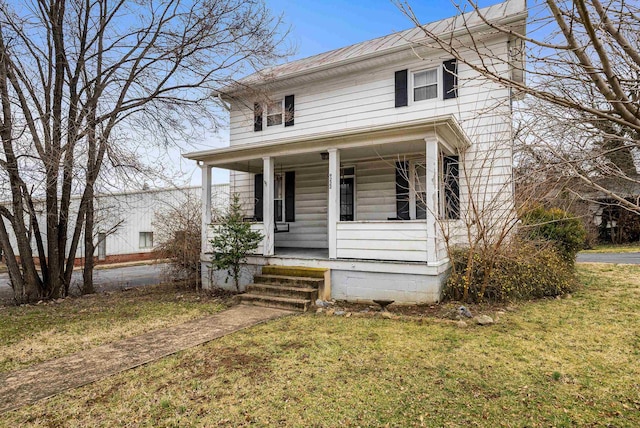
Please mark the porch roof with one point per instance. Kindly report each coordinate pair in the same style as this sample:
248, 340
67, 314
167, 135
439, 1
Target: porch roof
445, 129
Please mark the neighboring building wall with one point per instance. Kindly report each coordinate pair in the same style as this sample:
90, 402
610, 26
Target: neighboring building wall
121, 218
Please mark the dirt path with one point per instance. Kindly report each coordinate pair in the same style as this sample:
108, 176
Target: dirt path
47, 379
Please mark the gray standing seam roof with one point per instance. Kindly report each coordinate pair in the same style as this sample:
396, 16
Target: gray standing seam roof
390, 42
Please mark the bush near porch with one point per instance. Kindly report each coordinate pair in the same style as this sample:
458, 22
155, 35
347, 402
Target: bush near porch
537, 262
552, 362
518, 271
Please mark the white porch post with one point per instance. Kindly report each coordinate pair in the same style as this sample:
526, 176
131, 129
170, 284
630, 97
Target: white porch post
206, 204
267, 206
432, 171
334, 201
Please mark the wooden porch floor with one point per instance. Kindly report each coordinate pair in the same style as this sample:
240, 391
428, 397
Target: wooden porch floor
302, 253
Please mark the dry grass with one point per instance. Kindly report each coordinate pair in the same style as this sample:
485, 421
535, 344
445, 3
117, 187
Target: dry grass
619, 248
35, 333
569, 362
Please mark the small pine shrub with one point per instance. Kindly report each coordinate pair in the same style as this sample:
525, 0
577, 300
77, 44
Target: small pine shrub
232, 241
520, 270
556, 226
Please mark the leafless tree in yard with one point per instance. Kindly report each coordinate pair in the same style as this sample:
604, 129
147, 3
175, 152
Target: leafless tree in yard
75, 75
582, 63
179, 238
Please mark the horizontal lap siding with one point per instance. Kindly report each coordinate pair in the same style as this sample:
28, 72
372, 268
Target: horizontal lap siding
366, 99
310, 228
375, 190
404, 241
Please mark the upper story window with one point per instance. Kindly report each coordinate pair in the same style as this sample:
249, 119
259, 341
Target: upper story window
425, 85
274, 113
278, 112
433, 83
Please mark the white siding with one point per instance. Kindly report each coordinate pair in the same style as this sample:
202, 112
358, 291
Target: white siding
366, 99
122, 216
375, 189
390, 240
311, 197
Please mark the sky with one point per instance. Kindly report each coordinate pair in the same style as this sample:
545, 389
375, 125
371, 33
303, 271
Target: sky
323, 25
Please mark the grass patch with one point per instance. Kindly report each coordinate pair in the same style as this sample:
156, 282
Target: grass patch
34, 333
555, 362
618, 248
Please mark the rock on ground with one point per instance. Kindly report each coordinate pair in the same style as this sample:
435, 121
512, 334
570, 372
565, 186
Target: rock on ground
483, 320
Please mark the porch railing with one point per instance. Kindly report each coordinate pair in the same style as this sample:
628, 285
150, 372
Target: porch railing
382, 240
254, 226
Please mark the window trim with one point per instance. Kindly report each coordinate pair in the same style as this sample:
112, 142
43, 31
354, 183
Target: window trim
438, 71
267, 115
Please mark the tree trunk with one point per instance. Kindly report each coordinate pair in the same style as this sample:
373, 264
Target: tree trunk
87, 274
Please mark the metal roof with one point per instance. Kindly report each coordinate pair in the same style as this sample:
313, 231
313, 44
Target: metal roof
386, 44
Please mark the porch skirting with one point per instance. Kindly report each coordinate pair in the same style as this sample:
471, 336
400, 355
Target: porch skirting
353, 280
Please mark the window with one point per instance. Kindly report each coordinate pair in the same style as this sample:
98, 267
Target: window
347, 193
425, 85
411, 186
420, 187
146, 239
278, 112
102, 246
450, 201
278, 197
274, 113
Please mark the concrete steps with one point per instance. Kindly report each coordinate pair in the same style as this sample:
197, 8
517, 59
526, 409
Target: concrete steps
301, 305
285, 287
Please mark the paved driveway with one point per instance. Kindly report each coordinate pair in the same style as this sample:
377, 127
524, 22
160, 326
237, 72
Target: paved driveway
115, 278
625, 258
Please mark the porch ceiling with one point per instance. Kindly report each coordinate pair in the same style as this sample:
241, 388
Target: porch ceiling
372, 142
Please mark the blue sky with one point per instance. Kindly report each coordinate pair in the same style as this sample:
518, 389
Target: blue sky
320, 26
323, 25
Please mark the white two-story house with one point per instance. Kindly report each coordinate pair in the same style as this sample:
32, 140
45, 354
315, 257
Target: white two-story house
352, 160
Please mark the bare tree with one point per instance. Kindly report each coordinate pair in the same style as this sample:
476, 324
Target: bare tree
581, 124
178, 236
77, 75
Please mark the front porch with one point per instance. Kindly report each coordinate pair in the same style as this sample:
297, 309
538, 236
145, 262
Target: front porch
365, 206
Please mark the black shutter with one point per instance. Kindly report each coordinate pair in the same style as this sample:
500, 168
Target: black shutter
257, 117
290, 196
289, 110
402, 190
258, 193
402, 97
450, 79
451, 170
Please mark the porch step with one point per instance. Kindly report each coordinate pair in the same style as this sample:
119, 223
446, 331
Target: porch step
289, 281
298, 271
296, 292
287, 287
276, 302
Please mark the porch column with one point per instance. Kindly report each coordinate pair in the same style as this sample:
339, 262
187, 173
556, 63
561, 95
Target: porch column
267, 206
432, 205
206, 204
334, 201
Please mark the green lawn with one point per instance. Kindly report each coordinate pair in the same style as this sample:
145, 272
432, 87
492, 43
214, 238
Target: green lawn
35, 333
565, 363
